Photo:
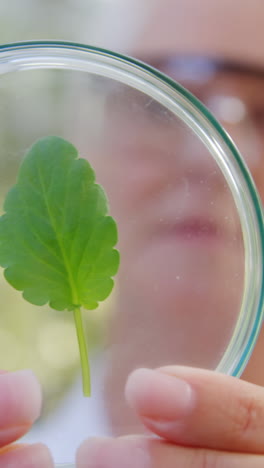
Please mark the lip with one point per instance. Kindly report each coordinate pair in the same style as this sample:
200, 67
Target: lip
195, 229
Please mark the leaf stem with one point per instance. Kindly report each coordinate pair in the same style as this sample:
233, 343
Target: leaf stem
86, 380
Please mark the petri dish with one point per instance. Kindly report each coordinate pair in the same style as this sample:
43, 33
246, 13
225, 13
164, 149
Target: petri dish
190, 285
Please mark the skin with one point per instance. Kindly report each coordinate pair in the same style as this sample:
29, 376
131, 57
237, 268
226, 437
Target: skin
20, 406
204, 419
158, 170
198, 29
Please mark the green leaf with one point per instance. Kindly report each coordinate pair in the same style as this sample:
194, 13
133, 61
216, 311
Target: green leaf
56, 239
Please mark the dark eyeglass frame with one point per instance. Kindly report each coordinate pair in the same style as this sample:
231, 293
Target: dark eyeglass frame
203, 65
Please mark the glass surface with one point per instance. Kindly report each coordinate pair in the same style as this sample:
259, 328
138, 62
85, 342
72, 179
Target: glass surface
189, 289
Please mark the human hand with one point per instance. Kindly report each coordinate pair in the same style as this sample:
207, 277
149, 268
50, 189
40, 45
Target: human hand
20, 404
204, 420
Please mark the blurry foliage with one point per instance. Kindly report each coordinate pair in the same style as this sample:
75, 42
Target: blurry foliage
102, 23
23, 20
31, 106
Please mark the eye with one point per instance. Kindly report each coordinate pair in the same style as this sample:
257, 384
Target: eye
257, 116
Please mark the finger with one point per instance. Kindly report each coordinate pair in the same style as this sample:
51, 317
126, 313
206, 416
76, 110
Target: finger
20, 404
26, 456
199, 408
141, 452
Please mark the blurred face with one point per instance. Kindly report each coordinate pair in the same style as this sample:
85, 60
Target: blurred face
215, 50
180, 238
182, 269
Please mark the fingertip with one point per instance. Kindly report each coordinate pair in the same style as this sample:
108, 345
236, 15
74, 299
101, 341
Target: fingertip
20, 398
128, 452
154, 394
26, 456
137, 386
90, 451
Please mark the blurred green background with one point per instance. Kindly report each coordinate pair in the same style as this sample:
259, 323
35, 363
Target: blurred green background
30, 336
105, 23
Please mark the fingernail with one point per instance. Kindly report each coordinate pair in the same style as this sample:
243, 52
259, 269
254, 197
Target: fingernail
117, 453
36, 455
159, 396
20, 399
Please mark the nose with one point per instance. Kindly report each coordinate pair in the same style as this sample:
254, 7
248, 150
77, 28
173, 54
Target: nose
188, 158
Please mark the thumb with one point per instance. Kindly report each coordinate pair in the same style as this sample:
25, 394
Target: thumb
199, 408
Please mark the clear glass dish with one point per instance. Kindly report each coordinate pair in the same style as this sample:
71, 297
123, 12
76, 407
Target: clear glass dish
190, 286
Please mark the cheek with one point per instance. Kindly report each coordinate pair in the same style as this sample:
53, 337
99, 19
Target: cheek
131, 183
251, 147
258, 176
194, 304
